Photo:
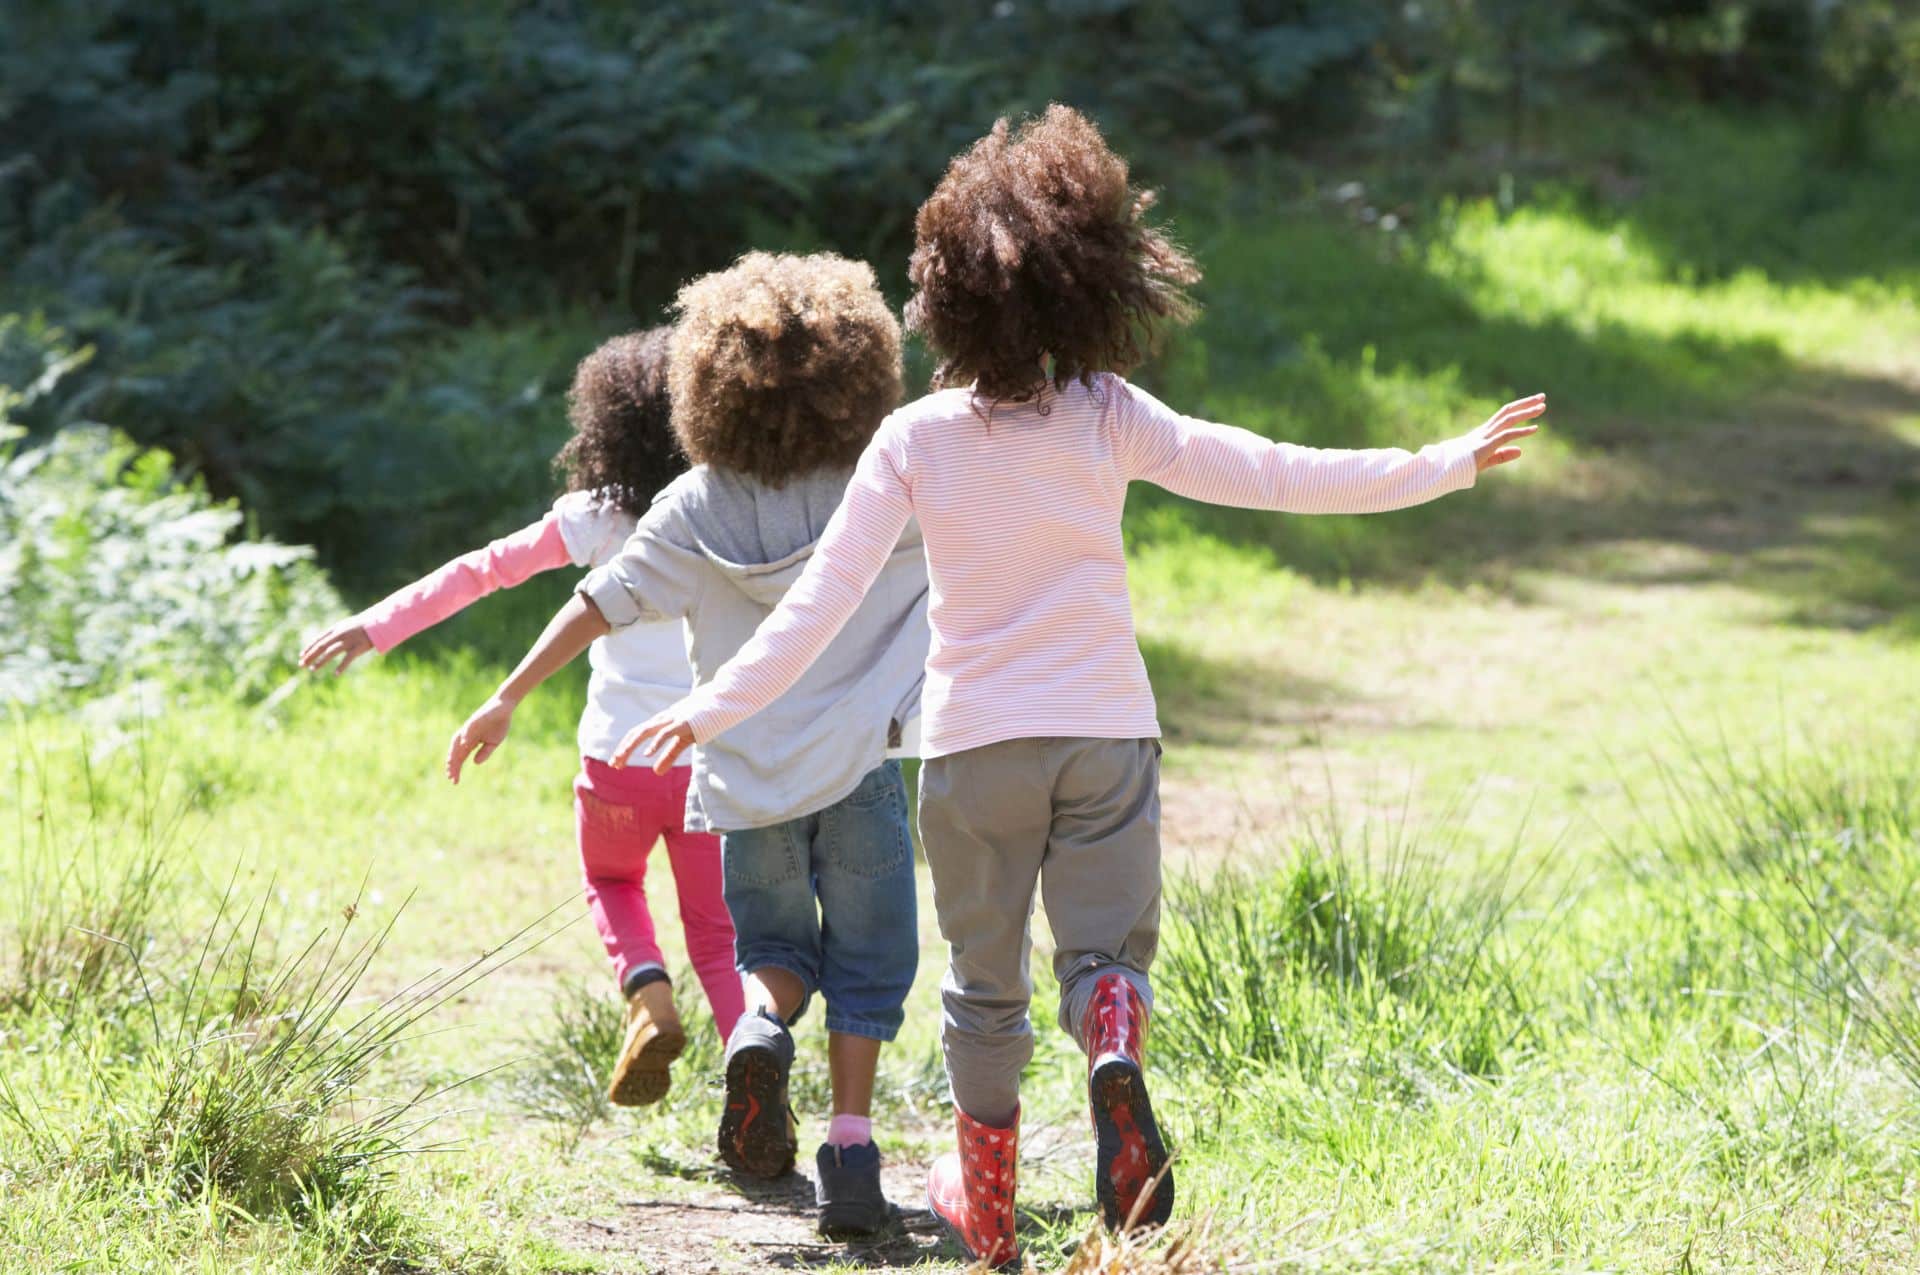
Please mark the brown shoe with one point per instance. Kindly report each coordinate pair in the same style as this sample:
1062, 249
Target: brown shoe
654, 1039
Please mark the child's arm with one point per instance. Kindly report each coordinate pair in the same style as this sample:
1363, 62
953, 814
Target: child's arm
859, 538
655, 576
506, 562
571, 631
1227, 466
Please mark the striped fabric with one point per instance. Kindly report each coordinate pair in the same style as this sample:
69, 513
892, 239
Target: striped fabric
1020, 505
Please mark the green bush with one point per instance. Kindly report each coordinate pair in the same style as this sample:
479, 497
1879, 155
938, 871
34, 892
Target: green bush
262, 215
116, 571
266, 216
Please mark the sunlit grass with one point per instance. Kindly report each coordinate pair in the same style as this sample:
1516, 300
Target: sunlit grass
1519, 963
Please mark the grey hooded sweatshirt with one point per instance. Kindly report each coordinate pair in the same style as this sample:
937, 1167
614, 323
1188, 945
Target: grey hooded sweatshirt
719, 549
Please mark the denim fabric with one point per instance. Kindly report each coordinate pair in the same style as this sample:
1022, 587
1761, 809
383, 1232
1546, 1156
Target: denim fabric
830, 897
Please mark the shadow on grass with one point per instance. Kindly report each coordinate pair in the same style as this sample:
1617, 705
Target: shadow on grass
1210, 700
1780, 478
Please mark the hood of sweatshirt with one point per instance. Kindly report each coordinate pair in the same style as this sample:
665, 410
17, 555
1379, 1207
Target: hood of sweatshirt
726, 548
759, 538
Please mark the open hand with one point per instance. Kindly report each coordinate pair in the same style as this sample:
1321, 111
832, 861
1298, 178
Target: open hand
660, 739
1494, 441
345, 641
485, 731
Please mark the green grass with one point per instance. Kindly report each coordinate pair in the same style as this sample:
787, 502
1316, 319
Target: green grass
1542, 862
1379, 1049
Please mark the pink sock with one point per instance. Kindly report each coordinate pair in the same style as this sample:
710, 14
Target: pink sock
849, 1131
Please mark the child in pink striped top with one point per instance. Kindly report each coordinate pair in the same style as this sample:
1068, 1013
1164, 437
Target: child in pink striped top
622, 451
1038, 282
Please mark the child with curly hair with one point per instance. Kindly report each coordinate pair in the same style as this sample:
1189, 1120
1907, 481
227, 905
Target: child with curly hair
622, 452
1039, 283
782, 368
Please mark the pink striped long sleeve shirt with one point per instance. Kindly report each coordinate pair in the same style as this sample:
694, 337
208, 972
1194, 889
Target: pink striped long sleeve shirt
1021, 507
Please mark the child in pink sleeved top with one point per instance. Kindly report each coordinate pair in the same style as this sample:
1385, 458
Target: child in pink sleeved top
1038, 282
622, 451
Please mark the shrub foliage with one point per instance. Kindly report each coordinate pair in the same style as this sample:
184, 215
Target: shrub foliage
115, 570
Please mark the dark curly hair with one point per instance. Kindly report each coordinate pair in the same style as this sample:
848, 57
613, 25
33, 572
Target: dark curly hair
783, 364
1035, 247
623, 445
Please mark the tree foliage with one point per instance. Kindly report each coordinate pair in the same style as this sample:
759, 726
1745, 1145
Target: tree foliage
286, 228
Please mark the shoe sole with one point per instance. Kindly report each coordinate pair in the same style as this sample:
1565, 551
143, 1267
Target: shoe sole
643, 1075
853, 1221
753, 1128
1131, 1151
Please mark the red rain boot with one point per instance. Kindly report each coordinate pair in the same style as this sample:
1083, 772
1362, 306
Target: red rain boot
1132, 1156
972, 1190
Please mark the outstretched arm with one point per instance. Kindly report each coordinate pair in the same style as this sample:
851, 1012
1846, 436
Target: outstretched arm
432, 598
859, 538
1228, 466
571, 631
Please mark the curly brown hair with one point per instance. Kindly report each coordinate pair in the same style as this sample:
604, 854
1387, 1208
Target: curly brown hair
623, 445
1035, 247
783, 364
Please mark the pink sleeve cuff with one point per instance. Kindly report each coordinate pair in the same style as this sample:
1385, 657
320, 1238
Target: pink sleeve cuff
1462, 470
382, 627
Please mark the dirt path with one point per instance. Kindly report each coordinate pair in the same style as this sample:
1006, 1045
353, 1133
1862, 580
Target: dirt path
692, 1217
728, 1225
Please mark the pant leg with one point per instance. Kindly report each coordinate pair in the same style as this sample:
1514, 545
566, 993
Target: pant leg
768, 885
869, 910
704, 918
1101, 878
614, 840
984, 819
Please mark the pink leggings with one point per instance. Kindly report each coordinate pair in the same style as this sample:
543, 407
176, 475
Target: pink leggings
619, 815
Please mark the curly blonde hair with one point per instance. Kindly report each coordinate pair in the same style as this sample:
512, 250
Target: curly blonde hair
783, 364
1035, 247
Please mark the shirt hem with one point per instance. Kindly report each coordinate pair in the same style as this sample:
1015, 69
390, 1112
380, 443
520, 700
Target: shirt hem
932, 745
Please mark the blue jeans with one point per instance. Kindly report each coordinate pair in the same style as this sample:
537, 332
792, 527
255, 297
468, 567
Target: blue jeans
829, 897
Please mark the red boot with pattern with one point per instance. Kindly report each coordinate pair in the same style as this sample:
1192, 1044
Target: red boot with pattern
972, 1190
1133, 1181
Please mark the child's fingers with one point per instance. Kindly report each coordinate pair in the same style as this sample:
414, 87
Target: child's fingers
635, 741
456, 754
1513, 434
642, 739
672, 747
1521, 409
1502, 456
486, 750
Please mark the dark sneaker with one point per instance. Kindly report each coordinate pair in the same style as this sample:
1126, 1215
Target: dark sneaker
847, 1189
757, 1135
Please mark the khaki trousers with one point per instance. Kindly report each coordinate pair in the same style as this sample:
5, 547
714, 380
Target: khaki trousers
1080, 819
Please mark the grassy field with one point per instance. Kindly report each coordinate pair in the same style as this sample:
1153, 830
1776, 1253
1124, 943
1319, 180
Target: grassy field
1542, 861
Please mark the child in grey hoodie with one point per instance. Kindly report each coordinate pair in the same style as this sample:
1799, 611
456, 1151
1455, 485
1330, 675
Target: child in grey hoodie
782, 368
